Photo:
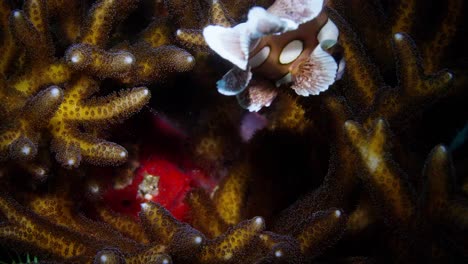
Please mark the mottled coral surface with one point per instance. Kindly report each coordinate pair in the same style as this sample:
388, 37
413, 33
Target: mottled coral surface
93, 170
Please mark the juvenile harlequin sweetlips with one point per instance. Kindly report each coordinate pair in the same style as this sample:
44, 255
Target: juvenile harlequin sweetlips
290, 42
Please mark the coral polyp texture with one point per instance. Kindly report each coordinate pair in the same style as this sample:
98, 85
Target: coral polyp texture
49, 88
373, 170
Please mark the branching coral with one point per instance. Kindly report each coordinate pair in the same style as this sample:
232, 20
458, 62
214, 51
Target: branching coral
193, 37
53, 226
414, 86
336, 178
46, 96
395, 200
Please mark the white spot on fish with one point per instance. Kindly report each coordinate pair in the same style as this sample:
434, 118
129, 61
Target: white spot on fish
260, 57
291, 51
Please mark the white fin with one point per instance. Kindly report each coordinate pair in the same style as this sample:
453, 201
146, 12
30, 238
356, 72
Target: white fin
328, 35
259, 93
234, 81
299, 11
315, 74
261, 23
227, 43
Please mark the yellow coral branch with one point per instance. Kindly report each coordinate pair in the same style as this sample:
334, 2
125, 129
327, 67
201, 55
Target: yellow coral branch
37, 44
404, 14
281, 248
157, 34
362, 73
361, 218
7, 138
185, 14
152, 255
204, 216
434, 50
42, 106
109, 108
218, 14
287, 113
181, 239
36, 232
7, 45
20, 140
231, 244
153, 64
414, 86
72, 145
36, 11
381, 174
192, 38
42, 75
229, 199
98, 62
437, 171
159, 223
412, 78
321, 231
124, 224
59, 208
99, 22
438, 200
67, 12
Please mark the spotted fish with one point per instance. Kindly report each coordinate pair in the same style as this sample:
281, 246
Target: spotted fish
290, 42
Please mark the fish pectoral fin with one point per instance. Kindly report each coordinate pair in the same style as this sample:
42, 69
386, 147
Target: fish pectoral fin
260, 93
234, 81
226, 42
314, 74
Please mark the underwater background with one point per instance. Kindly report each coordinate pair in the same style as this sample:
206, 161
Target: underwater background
115, 146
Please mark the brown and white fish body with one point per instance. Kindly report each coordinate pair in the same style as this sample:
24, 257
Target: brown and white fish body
286, 43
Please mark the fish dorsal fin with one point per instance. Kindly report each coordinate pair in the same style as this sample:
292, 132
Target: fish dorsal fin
314, 74
261, 23
227, 43
299, 11
234, 81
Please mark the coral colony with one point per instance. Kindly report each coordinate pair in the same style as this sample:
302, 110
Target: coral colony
222, 155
